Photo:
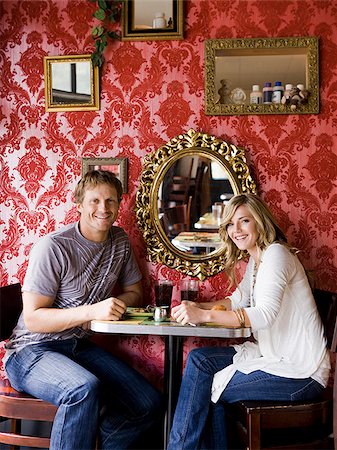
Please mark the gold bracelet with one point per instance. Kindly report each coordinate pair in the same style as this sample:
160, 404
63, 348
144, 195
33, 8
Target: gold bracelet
219, 308
240, 316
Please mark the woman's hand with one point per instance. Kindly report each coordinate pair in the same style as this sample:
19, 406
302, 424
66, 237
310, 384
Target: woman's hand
189, 312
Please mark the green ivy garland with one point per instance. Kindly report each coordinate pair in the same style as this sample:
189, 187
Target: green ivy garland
108, 12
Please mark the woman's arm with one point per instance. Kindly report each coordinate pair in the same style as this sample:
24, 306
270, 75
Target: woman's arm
189, 312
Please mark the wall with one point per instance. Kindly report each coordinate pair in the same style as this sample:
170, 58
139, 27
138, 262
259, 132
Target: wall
150, 92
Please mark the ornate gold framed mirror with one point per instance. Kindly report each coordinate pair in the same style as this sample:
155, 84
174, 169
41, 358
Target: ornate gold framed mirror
71, 83
149, 20
233, 66
197, 173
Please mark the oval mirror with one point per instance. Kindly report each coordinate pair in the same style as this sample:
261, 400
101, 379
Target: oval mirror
183, 189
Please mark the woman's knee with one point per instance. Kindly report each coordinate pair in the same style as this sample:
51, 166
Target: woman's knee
198, 358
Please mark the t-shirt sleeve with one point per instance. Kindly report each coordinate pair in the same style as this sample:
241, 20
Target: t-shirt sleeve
44, 268
130, 273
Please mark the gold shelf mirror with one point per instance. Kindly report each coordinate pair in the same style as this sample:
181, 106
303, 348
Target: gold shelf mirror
235, 65
215, 170
153, 20
71, 83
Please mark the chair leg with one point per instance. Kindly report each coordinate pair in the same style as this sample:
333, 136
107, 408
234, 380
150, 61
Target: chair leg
254, 430
16, 429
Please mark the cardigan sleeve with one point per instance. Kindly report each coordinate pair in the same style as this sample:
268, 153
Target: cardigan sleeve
276, 270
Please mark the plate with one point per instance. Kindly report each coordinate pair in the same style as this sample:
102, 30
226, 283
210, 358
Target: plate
137, 312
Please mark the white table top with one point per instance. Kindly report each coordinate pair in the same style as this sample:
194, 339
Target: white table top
191, 239
207, 222
167, 329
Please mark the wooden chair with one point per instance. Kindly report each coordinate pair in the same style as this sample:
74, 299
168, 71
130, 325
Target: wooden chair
17, 406
290, 425
177, 219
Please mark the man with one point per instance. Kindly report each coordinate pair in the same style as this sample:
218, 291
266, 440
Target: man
69, 282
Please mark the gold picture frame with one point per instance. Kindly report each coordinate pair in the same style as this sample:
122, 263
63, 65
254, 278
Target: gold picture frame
118, 166
235, 65
71, 83
135, 29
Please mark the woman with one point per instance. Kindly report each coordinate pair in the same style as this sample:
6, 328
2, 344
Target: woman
288, 359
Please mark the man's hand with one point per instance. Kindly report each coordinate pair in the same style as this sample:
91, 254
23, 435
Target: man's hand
111, 308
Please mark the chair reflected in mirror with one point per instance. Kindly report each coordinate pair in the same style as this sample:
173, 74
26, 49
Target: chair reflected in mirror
176, 219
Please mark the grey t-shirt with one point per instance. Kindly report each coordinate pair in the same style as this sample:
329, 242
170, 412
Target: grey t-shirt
74, 271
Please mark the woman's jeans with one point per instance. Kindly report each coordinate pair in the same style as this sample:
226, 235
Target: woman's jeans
93, 390
200, 424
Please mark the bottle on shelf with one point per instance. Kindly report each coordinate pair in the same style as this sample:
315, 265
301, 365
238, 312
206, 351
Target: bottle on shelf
286, 95
267, 93
159, 20
300, 87
256, 96
278, 90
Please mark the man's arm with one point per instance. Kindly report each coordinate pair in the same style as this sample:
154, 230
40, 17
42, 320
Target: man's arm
40, 317
132, 295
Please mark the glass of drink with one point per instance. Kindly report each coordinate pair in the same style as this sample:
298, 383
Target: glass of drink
217, 212
189, 290
163, 292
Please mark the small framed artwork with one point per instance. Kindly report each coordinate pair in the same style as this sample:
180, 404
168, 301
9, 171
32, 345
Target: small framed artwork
118, 166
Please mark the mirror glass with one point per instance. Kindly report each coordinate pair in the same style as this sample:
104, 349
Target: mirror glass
183, 189
71, 83
200, 182
233, 66
152, 20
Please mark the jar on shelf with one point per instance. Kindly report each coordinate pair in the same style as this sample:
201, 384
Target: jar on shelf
267, 93
256, 96
278, 90
159, 20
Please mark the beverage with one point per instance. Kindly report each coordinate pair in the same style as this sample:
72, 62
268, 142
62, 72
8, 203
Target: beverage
163, 293
192, 296
189, 290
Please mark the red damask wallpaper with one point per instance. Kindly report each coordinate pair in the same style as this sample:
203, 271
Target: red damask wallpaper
150, 92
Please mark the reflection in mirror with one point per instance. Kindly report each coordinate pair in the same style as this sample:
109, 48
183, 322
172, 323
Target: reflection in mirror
71, 83
197, 187
152, 20
183, 188
233, 66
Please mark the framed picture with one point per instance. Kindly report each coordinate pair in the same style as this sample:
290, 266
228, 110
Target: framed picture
71, 83
118, 166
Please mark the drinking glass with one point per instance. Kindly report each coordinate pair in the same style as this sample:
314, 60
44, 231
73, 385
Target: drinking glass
163, 292
189, 290
217, 212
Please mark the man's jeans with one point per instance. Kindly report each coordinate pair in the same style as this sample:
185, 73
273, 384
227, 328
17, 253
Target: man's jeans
93, 389
200, 424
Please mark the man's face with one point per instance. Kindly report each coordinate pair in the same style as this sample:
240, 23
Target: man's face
99, 210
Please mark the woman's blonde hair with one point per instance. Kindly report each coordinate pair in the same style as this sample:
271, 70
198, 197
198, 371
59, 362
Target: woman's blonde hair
266, 226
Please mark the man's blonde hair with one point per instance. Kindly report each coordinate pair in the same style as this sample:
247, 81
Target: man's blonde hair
94, 177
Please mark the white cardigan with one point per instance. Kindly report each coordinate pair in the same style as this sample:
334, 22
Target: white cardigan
284, 319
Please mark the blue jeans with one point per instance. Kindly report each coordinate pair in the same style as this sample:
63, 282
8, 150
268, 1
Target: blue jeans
200, 424
95, 393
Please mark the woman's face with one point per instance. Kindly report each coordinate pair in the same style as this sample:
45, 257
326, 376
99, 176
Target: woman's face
243, 232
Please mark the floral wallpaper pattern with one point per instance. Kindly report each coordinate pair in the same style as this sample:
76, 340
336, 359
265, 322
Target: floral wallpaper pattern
150, 92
